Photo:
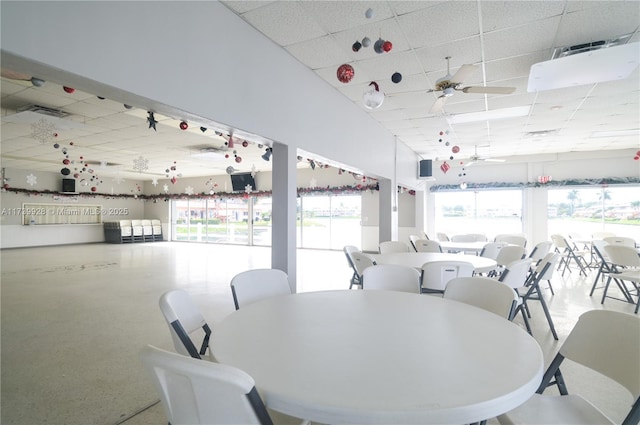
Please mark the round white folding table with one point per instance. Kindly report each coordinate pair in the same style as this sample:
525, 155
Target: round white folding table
463, 246
417, 259
380, 357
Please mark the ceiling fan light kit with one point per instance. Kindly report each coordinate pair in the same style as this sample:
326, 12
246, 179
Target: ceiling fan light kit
449, 84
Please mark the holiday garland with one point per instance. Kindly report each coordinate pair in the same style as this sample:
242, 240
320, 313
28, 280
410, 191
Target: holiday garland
502, 185
341, 190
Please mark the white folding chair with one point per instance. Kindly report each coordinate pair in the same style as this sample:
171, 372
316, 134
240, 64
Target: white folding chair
442, 237
469, 237
355, 278
157, 229
184, 320
512, 239
425, 245
412, 241
625, 263
126, 231
568, 254
391, 277
436, 274
507, 255
483, 292
602, 235
388, 247
605, 341
492, 249
620, 240
203, 393
532, 291
137, 232
147, 230
361, 261
254, 285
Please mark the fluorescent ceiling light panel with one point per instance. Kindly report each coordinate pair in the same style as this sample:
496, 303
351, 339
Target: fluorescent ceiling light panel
30, 117
616, 133
518, 111
596, 66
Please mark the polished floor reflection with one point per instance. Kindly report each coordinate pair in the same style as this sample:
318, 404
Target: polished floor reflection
75, 317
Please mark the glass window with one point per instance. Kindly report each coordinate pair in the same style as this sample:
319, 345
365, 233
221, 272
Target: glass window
582, 211
490, 212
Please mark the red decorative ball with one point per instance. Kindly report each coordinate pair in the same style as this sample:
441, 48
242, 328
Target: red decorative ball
345, 73
238, 159
455, 149
68, 89
637, 157
66, 161
184, 125
387, 46
93, 188
226, 155
245, 144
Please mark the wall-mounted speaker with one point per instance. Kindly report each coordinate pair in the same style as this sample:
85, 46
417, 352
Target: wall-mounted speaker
68, 185
425, 168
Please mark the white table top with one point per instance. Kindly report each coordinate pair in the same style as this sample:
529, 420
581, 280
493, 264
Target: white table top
417, 259
380, 357
462, 246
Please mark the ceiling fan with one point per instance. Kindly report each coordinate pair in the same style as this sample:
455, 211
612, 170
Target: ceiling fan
476, 158
449, 84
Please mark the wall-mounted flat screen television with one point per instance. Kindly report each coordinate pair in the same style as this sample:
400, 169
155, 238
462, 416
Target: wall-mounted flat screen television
239, 181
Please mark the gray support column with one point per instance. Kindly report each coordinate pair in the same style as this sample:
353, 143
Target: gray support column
388, 226
283, 234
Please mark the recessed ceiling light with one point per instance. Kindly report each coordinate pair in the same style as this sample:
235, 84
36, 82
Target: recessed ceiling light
518, 111
614, 133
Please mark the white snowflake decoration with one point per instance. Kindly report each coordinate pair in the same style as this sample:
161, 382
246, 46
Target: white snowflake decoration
32, 180
188, 190
43, 130
165, 188
154, 181
247, 188
140, 164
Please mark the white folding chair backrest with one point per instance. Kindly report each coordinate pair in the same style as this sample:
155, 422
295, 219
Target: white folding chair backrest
551, 259
623, 255
483, 292
540, 250
425, 245
184, 320
560, 242
598, 247
515, 273
361, 261
602, 235
348, 250
509, 254
442, 237
491, 249
436, 274
597, 335
254, 285
621, 240
512, 239
197, 393
391, 277
393, 246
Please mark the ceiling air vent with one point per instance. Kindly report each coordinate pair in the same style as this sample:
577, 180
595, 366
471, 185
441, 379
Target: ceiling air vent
561, 52
43, 110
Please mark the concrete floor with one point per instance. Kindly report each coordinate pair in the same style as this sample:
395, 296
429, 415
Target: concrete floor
74, 318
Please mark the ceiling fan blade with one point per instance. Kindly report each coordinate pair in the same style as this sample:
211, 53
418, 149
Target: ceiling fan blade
462, 73
437, 106
489, 90
468, 164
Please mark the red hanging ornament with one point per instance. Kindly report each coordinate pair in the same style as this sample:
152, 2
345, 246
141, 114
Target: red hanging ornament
345, 73
238, 159
455, 149
245, 144
184, 125
68, 89
387, 46
445, 167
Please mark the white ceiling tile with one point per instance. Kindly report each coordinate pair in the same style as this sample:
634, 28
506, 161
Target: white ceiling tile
320, 52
